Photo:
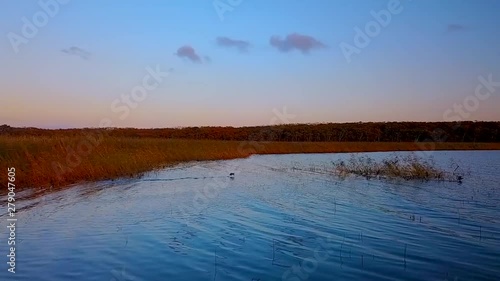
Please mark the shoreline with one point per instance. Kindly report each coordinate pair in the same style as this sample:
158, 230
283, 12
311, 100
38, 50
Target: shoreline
57, 162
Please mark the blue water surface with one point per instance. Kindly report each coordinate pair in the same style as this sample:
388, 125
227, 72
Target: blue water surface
282, 217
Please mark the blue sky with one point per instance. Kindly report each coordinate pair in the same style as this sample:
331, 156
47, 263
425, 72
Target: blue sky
89, 53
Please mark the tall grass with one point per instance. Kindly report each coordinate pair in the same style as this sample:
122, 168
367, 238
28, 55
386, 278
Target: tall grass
50, 161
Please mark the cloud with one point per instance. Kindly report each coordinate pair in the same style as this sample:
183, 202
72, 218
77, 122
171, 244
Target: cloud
453, 27
241, 45
76, 51
188, 52
303, 43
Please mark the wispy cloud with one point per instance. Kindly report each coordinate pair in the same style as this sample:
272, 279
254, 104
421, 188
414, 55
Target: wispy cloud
453, 27
241, 45
188, 52
76, 51
296, 41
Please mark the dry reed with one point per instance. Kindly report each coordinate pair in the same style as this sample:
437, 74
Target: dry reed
55, 161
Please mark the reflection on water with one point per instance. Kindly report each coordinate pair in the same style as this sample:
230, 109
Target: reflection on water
269, 222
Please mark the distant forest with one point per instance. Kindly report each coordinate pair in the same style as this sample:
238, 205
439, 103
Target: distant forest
334, 132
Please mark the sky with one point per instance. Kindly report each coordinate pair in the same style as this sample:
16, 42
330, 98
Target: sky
75, 63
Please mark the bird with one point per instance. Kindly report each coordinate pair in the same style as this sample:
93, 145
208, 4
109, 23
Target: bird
231, 174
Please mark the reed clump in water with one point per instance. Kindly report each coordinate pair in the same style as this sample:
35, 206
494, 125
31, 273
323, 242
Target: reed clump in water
408, 167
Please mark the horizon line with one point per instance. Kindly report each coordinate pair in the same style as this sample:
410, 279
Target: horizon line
247, 126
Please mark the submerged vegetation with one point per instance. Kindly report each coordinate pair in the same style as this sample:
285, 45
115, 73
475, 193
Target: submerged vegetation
408, 167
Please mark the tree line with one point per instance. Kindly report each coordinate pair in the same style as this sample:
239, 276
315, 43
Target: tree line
326, 132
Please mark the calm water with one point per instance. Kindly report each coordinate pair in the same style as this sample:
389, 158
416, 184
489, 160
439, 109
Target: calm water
271, 222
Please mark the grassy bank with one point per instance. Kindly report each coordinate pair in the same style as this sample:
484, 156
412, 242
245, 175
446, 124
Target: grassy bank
59, 161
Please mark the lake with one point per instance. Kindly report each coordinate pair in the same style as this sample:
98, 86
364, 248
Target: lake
277, 219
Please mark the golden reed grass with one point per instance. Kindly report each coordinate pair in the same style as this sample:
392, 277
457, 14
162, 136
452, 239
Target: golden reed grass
56, 161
